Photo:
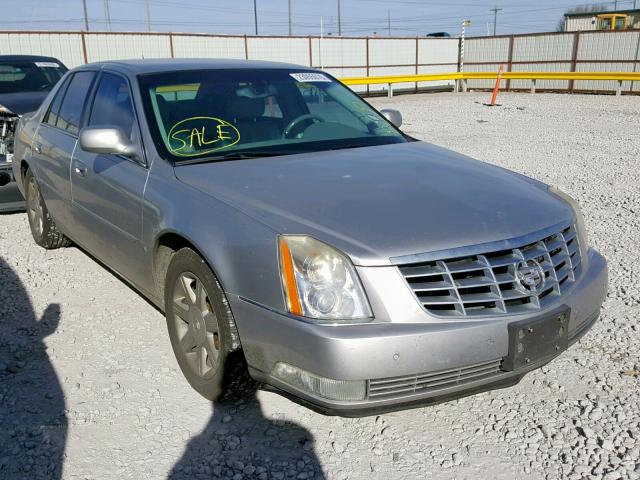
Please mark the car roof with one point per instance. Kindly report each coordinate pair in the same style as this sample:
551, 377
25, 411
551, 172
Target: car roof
160, 65
28, 58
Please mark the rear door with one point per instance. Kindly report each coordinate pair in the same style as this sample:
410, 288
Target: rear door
107, 190
55, 142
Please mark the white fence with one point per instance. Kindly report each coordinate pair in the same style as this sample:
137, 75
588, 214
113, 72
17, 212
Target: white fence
596, 51
593, 51
340, 56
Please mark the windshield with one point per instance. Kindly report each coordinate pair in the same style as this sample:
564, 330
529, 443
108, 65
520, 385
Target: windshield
18, 77
221, 114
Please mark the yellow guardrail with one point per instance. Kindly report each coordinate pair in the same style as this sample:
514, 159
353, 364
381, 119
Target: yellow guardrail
464, 76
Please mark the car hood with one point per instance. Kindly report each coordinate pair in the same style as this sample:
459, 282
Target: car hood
377, 203
22, 102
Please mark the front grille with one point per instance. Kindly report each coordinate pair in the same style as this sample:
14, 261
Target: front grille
422, 383
487, 284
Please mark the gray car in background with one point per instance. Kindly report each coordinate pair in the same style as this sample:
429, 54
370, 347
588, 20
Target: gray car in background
295, 237
25, 81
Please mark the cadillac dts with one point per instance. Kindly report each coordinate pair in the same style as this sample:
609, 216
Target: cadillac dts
296, 238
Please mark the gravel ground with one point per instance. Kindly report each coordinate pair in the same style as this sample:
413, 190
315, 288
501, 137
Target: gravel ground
89, 387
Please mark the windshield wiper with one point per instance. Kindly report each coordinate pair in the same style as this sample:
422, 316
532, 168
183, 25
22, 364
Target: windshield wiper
235, 156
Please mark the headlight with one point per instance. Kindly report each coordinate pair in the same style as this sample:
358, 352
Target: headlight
580, 227
320, 282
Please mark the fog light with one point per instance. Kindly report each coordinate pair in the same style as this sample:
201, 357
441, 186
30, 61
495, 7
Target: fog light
320, 386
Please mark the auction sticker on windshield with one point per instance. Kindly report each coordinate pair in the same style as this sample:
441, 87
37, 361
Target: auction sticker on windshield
47, 64
310, 77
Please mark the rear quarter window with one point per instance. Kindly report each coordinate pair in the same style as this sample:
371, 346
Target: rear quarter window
52, 115
73, 102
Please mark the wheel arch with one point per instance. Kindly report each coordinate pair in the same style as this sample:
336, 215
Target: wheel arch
24, 166
166, 244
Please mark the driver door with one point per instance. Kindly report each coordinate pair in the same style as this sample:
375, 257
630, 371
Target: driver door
107, 190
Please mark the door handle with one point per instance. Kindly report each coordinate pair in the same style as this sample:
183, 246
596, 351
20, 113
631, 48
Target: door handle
81, 171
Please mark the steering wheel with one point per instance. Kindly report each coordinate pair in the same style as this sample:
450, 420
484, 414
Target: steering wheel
286, 133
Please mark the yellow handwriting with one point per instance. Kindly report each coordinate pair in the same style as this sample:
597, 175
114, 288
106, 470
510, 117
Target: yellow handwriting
201, 135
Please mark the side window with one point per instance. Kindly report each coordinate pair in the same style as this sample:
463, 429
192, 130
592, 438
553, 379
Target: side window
52, 115
113, 105
73, 103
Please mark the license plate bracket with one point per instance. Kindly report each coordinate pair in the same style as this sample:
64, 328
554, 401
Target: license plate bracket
532, 341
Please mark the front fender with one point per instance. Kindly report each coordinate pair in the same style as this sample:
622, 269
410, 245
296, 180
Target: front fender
241, 250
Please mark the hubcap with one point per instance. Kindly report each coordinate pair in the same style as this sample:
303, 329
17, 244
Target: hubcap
196, 325
34, 207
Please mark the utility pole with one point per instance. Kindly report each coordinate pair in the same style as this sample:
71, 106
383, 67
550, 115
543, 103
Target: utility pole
320, 43
339, 21
615, 5
107, 15
495, 19
255, 16
148, 16
465, 24
289, 17
389, 22
86, 18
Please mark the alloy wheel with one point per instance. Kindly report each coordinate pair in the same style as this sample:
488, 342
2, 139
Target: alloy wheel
36, 213
196, 325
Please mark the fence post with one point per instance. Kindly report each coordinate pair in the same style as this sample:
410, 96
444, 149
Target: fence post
171, 44
84, 48
246, 48
510, 66
533, 85
574, 58
367, 45
619, 89
460, 60
310, 52
417, 60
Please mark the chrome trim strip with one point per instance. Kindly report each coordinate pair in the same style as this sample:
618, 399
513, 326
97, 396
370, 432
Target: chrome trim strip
481, 247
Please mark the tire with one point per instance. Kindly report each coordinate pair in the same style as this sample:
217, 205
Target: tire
199, 322
43, 228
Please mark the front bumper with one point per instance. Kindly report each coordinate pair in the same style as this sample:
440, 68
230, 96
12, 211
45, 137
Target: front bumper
11, 200
466, 354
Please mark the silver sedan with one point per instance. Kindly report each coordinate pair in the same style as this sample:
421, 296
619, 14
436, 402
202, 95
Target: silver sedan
295, 237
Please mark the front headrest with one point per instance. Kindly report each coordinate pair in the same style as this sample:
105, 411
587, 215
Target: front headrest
245, 107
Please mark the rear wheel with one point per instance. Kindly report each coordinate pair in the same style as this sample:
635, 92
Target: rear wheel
43, 228
199, 322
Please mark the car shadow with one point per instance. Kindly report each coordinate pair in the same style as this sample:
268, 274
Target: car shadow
33, 424
239, 442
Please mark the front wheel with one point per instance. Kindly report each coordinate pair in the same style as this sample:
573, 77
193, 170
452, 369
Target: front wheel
199, 322
43, 228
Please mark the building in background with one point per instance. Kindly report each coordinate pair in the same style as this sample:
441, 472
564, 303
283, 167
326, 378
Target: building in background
602, 20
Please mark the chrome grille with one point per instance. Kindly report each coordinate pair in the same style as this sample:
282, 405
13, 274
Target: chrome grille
487, 284
422, 383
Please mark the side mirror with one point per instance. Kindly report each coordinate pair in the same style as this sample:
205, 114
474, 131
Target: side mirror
107, 140
394, 116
